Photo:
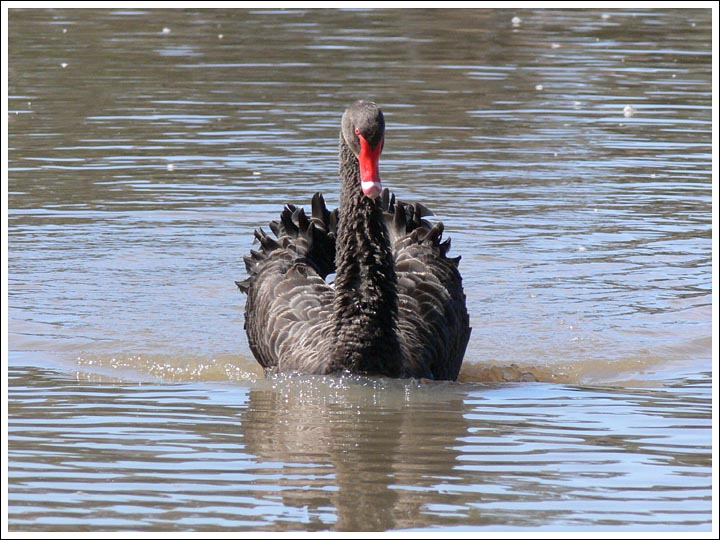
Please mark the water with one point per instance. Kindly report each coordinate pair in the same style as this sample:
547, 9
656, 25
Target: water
146, 145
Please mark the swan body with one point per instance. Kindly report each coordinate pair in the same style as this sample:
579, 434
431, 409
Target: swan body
397, 306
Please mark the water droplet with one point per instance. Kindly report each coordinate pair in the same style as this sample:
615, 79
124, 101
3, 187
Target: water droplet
629, 111
64, 30
64, 65
166, 30
256, 173
170, 167
220, 36
516, 21
605, 16
554, 45
538, 87
577, 104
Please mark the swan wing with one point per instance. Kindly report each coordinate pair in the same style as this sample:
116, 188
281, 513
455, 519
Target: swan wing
433, 321
289, 305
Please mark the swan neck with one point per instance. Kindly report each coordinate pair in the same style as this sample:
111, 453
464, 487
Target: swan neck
366, 303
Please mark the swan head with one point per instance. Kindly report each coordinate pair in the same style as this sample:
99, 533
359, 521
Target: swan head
363, 128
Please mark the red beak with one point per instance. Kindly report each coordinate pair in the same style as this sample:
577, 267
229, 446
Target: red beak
369, 158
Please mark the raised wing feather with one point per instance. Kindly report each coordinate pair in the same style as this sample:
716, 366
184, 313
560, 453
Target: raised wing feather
433, 321
287, 315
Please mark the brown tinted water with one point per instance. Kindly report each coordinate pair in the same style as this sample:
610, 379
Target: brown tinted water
568, 154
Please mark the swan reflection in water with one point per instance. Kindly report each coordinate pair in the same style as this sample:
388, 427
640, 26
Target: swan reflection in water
368, 454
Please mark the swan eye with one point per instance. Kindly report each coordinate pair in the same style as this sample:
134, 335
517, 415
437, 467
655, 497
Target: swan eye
357, 131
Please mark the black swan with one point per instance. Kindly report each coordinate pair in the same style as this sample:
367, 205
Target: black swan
397, 307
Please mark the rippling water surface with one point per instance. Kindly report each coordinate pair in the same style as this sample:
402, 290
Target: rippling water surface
568, 153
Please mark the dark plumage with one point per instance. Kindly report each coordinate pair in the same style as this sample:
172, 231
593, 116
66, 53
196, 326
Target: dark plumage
397, 307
